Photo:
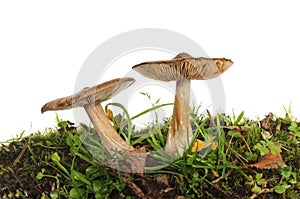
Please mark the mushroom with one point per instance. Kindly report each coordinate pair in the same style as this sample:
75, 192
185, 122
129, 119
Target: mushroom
182, 69
134, 159
90, 99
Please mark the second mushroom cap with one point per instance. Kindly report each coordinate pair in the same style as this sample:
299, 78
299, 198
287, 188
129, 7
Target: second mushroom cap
186, 67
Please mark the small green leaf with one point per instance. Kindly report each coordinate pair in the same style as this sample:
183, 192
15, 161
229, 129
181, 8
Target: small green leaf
97, 185
251, 156
143, 93
273, 148
262, 149
294, 127
293, 181
63, 124
240, 117
76, 193
250, 178
39, 176
146, 94
77, 183
80, 177
280, 189
91, 170
54, 194
190, 161
55, 157
286, 171
195, 175
258, 176
157, 101
260, 180
256, 189
251, 183
234, 133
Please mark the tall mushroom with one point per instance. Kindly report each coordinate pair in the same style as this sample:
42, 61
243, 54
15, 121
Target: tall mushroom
90, 99
182, 69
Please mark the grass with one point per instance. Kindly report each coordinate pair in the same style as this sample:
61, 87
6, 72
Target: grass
70, 162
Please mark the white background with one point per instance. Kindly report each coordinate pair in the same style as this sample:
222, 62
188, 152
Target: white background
43, 46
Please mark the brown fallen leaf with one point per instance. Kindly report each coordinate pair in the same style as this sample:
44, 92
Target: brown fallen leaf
269, 161
241, 128
267, 123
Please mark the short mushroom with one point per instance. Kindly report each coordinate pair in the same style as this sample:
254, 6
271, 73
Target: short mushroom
90, 99
182, 69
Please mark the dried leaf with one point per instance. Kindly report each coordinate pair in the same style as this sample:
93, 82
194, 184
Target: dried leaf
109, 114
117, 119
278, 128
267, 123
269, 161
197, 146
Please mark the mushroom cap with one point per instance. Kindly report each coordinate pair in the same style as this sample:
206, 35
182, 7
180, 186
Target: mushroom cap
88, 95
183, 66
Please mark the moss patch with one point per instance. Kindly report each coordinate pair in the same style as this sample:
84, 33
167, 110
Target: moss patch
58, 163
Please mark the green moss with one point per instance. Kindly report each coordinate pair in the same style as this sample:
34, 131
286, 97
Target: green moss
58, 163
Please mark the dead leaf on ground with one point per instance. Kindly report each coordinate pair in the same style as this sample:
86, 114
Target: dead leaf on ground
269, 161
267, 123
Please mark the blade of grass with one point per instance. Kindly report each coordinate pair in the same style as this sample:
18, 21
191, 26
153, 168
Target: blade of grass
221, 147
151, 109
129, 123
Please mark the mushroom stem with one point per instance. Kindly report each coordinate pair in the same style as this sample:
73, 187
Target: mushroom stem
134, 159
180, 132
108, 135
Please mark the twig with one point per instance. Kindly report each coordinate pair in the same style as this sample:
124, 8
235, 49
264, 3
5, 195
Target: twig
15, 176
226, 175
239, 156
221, 177
98, 163
261, 192
227, 193
266, 191
247, 145
20, 154
138, 192
5, 148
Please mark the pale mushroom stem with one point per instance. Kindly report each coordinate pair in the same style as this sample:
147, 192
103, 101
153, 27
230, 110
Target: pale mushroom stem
108, 135
134, 159
180, 132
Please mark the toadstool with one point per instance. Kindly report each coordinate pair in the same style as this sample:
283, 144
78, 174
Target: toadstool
134, 159
182, 69
90, 99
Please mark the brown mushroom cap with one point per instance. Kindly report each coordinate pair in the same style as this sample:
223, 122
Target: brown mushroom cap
96, 94
188, 67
